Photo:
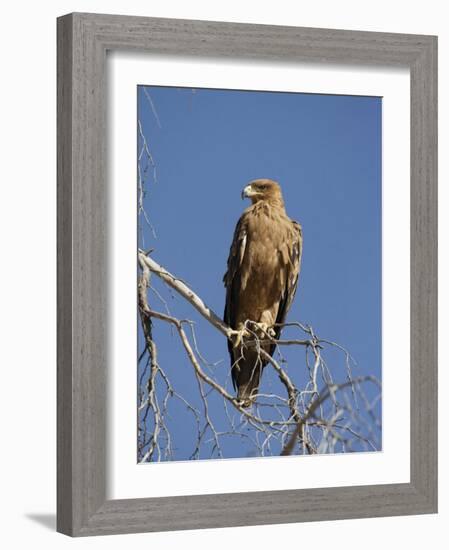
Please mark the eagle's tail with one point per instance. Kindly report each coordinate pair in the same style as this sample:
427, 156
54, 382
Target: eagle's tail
246, 374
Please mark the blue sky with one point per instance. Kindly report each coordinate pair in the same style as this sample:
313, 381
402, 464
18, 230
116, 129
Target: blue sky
325, 151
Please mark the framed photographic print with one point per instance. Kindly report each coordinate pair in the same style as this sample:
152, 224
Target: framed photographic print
246, 274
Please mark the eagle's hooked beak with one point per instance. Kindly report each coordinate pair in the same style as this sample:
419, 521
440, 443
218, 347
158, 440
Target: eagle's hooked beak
247, 192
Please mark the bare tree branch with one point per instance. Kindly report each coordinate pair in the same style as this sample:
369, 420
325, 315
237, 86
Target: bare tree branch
185, 292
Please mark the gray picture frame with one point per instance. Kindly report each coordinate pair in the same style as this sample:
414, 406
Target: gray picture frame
83, 41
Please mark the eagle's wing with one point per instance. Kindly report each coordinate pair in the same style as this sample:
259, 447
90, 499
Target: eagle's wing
232, 277
291, 279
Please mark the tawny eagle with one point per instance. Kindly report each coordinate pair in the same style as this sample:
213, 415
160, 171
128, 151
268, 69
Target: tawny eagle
261, 279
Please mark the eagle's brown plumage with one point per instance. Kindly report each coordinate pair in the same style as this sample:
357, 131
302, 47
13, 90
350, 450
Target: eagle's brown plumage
261, 279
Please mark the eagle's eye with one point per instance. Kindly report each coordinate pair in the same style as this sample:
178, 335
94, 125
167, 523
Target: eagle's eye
262, 187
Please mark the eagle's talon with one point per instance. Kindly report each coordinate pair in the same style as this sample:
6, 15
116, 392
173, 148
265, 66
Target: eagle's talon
265, 329
238, 336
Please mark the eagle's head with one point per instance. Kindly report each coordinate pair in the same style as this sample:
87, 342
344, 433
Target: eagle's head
263, 190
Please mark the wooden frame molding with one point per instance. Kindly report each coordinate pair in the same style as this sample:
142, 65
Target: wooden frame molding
83, 40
